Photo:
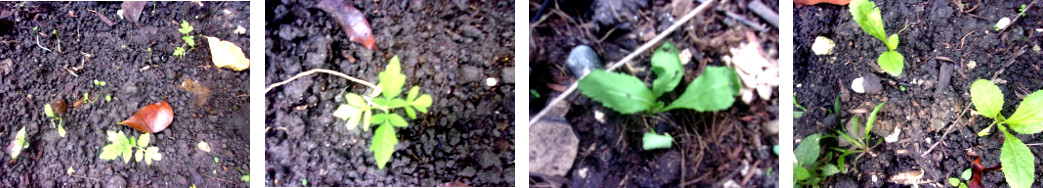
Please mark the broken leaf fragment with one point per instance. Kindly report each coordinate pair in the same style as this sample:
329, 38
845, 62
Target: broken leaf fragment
227, 55
152, 118
356, 110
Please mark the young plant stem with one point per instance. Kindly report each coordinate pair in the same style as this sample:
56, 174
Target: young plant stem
38, 43
626, 60
327, 71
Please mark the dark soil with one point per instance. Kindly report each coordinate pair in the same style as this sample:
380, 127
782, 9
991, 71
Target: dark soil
31, 77
712, 147
929, 31
448, 49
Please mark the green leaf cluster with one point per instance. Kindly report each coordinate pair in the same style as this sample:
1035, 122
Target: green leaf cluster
189, 39
50, 114
19, 143
858, 138
1015, 157
956, 182
130, 148
714, 90
360, 109
867, 15
809, 170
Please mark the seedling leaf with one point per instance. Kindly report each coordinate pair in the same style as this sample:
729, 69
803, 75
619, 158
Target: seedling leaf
829, 170
1028, 118
652, 141
1018, 162
422, 103
808, 150
190, 40
800, 173
392, 79
48, 111
892, 42
19, 143
954, 182
867, 15
872, 118
352, 112
623, 93
397, 120
987, 98
891, 62
714, 90
144, 139
185, 27
383, 144
666, 63
966, 175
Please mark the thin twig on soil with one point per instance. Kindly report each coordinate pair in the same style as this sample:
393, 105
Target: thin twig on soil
1011, 61
940, 140
327, 71
626, 60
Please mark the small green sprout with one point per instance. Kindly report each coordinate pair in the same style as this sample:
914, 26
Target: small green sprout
19, 143
1016, 158
99, 83
867, 15
245, 178
217, 160
1022, 10
534, 93
179, 52
304, 181
189, 39
108, 97
122, 146
50, 114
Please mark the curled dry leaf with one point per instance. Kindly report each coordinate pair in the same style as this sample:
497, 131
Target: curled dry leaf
132, 9
152, 118
351, 20
227, 55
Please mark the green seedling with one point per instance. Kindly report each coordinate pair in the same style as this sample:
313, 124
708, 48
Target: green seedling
810, 170
185, 29
304, 181
35, 31
534, 93
956, 182
50, 115
108, 97
1015, 157
798, 113
122, 146
867, 15
714, 90
19, 143
99, 83
860, 142
1022, 10
245, 178
361, 109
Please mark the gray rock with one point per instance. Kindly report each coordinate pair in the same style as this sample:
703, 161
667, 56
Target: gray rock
471, 74
488, 159
471, 31
582, 60
507, 75
552, 147
872, 84
468, 172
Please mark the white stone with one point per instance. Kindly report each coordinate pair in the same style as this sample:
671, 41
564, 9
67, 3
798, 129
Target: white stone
823, 46
1002, 24
857, 85
490, 81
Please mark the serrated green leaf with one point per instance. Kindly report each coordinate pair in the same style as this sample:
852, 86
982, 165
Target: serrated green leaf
127, 151
190, 40
829, 170
392, 79
350, 113
867, 15
48, 111
808, 149
651, 141
892, 42
1028, 118
987, 98
397, 120
19, 142
666, 63
138, 155
185, 27
422, 103
891, 62
1018, 162
713, 90
110, 152
800, 173
623, 93
383, 144
144, 140
966, 175
355, 100
413, 93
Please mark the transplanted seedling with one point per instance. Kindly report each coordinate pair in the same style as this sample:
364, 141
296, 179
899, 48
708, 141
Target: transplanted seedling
122, 146
809, 170
189, 39
867, 15
359, 108
1015, 157
715, 89
50, 114
859, 141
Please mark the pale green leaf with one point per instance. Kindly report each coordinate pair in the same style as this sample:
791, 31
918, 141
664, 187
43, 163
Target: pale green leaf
666, 63
1018, 162
800, 173
808, 149
422, 103
110, 152
355, 100
872, 118
623, 93
652, 141
966, 175
892, 42
19, 142
61, 129
411, 112
154, 153
1028, 118
392, 79
987, 98
144, 140
713, 90
127, 151
954, 182
383, 144
867, 15
829, 170
413, 93
366, 116
380, 118
138, 155
891, 62
397, 120
112, 136
396, 102
48, 111
349, 113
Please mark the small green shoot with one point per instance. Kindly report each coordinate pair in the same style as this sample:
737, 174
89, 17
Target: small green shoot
534, 93
99, 83
108, 97
217, 160
1022, 10
809, 170
185, 29
179, 52
304, 181
359, 108
50, 114
245, 178
122, 146
1015, 157
798, 113
653, 141
19, 143
867, 15
859, 140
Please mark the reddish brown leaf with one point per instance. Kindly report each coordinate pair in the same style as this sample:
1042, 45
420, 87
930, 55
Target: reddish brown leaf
132, 9
351, 20
152, 118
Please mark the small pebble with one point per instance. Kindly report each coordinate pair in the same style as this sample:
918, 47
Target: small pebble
582, 60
